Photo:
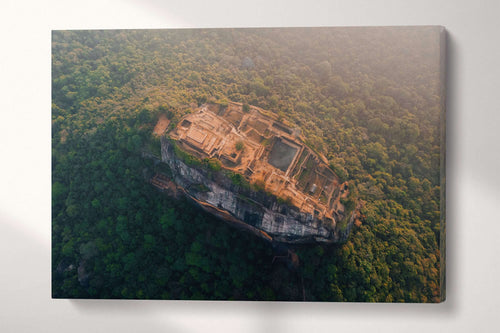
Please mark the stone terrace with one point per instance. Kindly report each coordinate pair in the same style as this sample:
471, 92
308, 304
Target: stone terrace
265, 151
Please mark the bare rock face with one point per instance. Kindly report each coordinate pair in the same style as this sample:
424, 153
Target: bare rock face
247, 208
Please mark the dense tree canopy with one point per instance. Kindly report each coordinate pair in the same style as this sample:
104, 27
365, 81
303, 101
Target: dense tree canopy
368, 99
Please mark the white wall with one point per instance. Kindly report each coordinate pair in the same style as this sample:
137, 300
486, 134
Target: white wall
473, 161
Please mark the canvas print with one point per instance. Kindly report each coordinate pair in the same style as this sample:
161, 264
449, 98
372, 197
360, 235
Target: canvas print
263, 164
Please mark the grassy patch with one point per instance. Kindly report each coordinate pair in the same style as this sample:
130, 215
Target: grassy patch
238, 180
186, 157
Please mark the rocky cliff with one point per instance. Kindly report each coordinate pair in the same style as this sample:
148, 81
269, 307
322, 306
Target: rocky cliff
248, 208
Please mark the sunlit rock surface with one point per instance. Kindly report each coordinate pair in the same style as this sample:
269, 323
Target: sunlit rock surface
283, 190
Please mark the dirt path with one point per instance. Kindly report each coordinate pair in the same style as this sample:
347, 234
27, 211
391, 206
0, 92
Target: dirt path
161, 125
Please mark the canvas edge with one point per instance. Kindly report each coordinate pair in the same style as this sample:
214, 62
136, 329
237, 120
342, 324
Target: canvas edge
442, 245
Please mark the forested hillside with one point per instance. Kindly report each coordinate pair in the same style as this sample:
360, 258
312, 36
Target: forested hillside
367, 98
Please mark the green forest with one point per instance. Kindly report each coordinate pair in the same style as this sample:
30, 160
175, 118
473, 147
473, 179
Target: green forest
369, 99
